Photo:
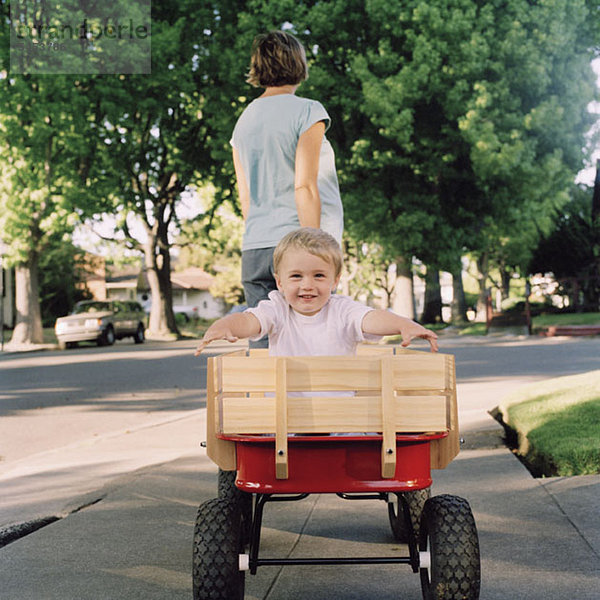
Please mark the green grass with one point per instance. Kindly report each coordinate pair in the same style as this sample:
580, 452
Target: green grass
473, 329
194, 327
557, 424
544, 320
49, 336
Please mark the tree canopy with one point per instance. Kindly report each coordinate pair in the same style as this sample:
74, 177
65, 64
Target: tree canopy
458, 126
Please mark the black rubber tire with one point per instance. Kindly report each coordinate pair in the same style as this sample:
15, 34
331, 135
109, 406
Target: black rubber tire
227, 489
416, 502
108, 337
448, 530
217, 546
138, 336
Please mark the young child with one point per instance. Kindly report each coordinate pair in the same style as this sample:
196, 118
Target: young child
302, 317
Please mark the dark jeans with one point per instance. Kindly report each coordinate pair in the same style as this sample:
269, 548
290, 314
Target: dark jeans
258, 280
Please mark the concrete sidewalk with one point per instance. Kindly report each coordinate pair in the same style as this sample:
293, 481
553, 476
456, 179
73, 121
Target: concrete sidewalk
123, 530
540, 539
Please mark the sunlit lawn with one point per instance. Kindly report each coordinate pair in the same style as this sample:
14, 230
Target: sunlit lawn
558, 423
545, 320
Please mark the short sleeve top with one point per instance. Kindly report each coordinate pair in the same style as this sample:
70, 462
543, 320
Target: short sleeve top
266, 137
335, 330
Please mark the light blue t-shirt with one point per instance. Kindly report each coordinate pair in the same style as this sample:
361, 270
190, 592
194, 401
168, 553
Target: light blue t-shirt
265, 137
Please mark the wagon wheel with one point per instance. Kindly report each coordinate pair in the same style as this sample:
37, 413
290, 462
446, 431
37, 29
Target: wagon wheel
228, 490
217, 546
449, 539
416, 501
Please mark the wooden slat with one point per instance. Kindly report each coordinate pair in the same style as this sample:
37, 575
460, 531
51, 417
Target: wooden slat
303, 374
334, 414
326, 373
281, 420
258, 352
443, 451
374, 349
423, 371
388, 444
221, 452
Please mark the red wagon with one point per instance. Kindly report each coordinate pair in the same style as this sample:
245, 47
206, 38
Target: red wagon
365, 427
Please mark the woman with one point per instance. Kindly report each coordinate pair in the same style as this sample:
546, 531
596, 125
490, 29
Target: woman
284, 165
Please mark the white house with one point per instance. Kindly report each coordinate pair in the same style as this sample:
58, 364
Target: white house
191, 294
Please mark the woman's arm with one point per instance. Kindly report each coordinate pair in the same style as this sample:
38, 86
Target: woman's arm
242, 184
384, 322
308, 151
231, 328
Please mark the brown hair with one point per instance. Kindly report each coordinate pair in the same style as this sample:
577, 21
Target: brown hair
278, 58
314, 241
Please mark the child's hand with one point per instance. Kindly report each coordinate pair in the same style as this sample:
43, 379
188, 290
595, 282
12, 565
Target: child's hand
413, 330
231, 328
215, 333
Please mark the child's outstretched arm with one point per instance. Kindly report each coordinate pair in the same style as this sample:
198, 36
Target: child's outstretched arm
384, 322
231, 328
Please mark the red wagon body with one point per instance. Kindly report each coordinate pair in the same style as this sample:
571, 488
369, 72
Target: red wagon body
333, 464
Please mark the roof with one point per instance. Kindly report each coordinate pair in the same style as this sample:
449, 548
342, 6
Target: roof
192, 278
125, 277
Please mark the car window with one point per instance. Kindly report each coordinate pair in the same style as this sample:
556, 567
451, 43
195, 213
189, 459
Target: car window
136, 306
85, 307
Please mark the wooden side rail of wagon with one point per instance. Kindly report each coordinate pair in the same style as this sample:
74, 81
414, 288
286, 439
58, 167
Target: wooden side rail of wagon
385, 390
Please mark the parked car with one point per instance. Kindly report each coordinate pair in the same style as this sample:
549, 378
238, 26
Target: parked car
102, 322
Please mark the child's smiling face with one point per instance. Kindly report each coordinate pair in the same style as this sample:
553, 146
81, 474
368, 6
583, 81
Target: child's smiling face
306, 281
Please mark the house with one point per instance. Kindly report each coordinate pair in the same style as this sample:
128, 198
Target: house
91, 272
191, 295
128, 283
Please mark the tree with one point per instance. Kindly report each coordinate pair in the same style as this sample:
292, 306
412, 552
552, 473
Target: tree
60, 275
46, 152
43, 156
571, 251
445, 117
160, 135
213, 242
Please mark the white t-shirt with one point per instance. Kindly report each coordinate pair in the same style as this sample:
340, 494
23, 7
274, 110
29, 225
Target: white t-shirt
335, 330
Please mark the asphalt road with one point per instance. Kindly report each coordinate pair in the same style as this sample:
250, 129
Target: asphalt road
57, 398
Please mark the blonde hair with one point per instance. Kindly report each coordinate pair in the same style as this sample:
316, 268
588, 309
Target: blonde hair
278, 58
314, 241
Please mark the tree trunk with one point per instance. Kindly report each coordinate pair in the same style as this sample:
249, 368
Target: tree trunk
158, 271
432, 311
458, 308
482, 267
28, 326
403, 298
506, 278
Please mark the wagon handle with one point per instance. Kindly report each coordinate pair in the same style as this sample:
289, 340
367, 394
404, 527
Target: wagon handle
281, 420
